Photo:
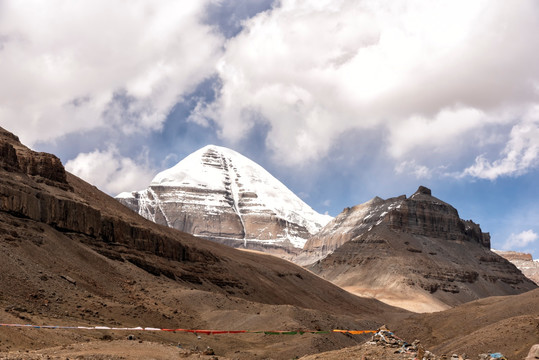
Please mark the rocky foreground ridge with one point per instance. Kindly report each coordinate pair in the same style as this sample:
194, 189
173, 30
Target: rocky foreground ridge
412, 252
220, 195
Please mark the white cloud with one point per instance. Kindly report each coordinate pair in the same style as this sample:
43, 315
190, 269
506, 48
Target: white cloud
444, 130
520, 240
110, 171
68, 66
520, 154
427, 72
442, 80
411, 167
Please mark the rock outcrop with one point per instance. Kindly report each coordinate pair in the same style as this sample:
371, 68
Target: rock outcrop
524, 262
220, 195
424, 215
38, 189
421, 215
42, 167
412, 252
514, 256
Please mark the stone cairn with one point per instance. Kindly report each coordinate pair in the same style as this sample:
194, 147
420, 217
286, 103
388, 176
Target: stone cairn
384, 337
416, 351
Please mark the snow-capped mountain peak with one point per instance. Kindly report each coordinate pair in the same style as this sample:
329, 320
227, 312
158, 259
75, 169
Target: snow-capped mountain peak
220, 194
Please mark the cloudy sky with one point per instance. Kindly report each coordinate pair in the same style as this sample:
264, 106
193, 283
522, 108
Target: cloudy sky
340, 100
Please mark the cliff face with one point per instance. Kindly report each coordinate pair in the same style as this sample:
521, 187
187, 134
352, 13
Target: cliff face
514, 255
412, 252
160, 204
421, 214
218, 194
37, 188
349, 224
42, 167
524, 262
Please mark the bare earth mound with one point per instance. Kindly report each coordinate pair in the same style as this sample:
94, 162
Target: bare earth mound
506, 324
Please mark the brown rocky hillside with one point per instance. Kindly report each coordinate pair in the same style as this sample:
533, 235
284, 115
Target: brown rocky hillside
71, 255
524, 262
505, 324
412, 252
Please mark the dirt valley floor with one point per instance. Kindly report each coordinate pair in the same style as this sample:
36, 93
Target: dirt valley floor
504, 325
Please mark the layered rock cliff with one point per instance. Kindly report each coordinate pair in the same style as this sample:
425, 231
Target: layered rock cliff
422, 214
412, 252
37, 187
524, 262
218, 194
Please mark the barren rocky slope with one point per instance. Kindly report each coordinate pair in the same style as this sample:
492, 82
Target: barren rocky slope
218, 194
412, 252
524, 262
71, 255
505, 324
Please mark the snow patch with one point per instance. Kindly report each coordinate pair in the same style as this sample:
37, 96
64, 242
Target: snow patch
126, 195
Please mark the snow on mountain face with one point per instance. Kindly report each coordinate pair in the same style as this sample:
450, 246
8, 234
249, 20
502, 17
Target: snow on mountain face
349, 224
219, 194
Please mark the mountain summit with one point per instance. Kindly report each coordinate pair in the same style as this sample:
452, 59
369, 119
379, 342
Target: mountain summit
221, 195
416, 253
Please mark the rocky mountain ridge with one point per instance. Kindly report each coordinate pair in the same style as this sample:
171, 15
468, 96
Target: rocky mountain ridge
524, 262
431, 258
218, 194
411, 252
421, 214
